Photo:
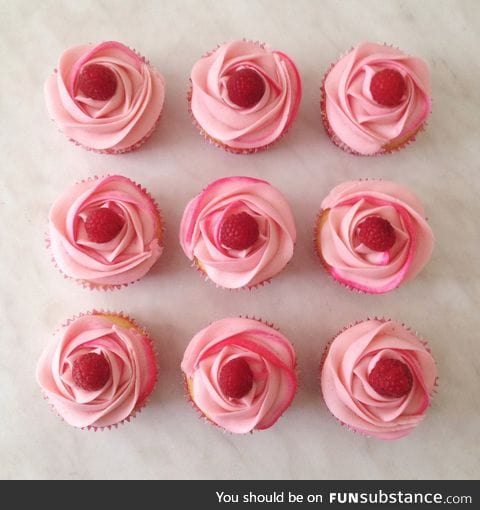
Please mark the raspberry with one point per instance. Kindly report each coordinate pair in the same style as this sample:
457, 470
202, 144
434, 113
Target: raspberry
376, 233
387, 87
91, 371
239, 231
245, 87
97, 82
236, 378
103, 224
391, 378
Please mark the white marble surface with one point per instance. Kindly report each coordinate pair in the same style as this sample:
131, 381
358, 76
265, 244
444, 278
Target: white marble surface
168, 440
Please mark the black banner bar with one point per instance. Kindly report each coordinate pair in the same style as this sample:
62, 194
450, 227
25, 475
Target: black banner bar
230, 495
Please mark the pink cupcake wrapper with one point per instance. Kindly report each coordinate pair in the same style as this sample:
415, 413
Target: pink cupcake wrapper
131, 148
205, 276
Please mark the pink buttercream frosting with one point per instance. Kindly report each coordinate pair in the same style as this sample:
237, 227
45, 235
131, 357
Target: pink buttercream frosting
351, 357
354, 264
124, 259
230, 268
355, 118
271, 359
118, 124
133, 370
245, 128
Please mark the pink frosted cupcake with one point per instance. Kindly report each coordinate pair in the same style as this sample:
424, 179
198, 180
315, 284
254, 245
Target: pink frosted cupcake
98, 371
240, 374
105, 232
372, 236
244, 96
377, 378
238, 231
375, 99
105, 97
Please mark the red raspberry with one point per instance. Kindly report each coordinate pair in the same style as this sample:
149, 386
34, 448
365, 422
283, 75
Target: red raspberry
245, 87
391, 378
376, 233
236, 378
103, 224
91, 371
97, 82
387, 87
239, 231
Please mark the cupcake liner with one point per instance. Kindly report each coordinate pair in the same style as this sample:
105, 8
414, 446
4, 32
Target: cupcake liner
110, 287
263, 321
392, 146
140, 329
218, 143
203, 416
326, 124
196, 265
214, 141
345, 328
130, 148
91, 428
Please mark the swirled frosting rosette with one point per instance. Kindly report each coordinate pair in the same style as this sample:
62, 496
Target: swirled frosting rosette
98, 371
105, 232
239, 231
377, 378
244, 96
105, 97
240, 374
375, 99
372, 236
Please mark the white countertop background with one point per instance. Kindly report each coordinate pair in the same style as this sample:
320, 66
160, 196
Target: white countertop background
168, 440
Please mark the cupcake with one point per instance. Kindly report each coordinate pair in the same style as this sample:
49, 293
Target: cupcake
105, 232
244, 96
375, 99
239, 232
240, 374
98, 371
105, 97
372, 236
377, 378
